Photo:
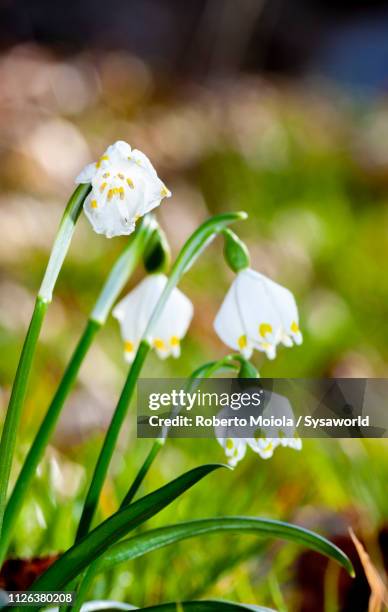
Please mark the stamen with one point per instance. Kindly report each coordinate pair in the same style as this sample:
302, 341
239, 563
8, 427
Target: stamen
121, 176
128, 346
103, 158
264, 329
159, 344
130, 183
93, 204
121, 193
242, 342
102, 186
110, 194
106, 174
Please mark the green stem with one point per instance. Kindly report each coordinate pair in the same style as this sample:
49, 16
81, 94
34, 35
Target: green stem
204, 371
110, 440
197, 242
42, 437
62, 241
14, 411
142, 473
11, 423
113, 286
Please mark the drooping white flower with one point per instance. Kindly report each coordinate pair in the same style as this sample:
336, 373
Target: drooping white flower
134, 311
125, 187
265, 440
257, 313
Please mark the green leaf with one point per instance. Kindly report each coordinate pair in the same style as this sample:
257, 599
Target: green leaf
157, 538
212, 605
89, 548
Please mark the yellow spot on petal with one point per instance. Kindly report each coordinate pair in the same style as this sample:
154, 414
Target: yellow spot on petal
102, 186
264, 329
229, 444
102, 158
93, 204
130, 183
268, 448
159, 344
294, 327
174, 341
128, 346
242, 342
164, 191
136, 218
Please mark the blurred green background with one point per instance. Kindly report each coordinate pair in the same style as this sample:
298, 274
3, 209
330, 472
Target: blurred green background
309, 163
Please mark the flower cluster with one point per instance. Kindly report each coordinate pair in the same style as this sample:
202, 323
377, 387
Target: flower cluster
257, 313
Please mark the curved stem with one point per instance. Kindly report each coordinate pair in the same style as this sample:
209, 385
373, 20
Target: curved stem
15, 406
197, 242
113, 286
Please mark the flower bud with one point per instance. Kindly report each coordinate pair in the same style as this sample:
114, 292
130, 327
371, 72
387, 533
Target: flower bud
235, 252
157, 255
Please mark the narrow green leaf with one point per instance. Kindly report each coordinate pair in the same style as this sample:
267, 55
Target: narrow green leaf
158, 538
79, 556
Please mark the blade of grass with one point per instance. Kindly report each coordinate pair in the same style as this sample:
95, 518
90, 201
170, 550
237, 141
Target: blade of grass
164, 536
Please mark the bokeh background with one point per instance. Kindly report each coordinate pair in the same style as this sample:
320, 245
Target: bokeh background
275, 107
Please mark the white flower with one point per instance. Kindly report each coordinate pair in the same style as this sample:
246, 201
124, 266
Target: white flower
125, 187
257, 313
267, 438
134, 311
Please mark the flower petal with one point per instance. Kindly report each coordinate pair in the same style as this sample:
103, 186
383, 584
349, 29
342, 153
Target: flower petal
228, 323
87, 174
260, 317
134, 312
